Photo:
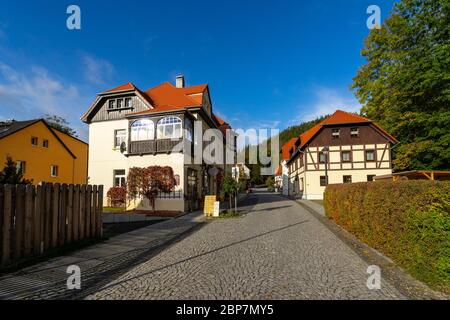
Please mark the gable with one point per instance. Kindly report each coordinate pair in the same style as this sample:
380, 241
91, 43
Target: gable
367, 135
101, 111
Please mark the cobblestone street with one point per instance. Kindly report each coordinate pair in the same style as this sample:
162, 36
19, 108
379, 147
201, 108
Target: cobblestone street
278, 250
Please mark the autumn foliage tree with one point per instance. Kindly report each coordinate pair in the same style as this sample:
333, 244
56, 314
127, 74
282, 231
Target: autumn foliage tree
149, 182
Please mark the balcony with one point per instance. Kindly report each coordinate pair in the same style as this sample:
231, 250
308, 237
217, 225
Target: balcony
152, 146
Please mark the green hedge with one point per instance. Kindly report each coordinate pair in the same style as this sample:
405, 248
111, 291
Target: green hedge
409, 221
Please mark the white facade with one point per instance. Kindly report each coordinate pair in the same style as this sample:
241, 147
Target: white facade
127, 130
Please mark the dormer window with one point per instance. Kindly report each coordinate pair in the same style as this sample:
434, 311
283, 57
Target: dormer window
112, 104
354, 132
335, 133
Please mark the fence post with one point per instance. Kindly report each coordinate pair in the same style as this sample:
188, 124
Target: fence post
47, 236
94, 211
62, 214
55, 214
76, 213
82, 211
88, 211
100, 211
6, 227
69, 213
19, 221
29, 212
37, 218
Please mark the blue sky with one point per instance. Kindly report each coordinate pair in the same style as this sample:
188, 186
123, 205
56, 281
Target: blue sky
269, 64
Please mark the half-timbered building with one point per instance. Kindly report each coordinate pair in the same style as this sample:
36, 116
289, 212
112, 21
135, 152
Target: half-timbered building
344, 148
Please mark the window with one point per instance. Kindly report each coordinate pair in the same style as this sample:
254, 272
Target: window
127, 102
177, 179
346, 156
354, 132
335, 133
370, 177
322, 157
119, 103
370, 155
188, 128
169, 128
323, 181
54, 171
20, 166
142, 130
112, 104
45, 143
119, 178
34, 141
347, 179
301, 184
119, 137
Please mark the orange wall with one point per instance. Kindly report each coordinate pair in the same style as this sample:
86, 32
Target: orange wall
39, 159
80, 150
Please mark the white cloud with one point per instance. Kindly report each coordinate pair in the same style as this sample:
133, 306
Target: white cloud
32, 94
96, 70
327, 101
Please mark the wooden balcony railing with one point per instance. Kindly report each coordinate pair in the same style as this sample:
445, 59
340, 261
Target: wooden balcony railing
153, 146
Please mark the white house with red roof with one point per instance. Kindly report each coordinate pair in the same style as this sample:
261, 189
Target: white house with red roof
129, 128
344, 148
282, 172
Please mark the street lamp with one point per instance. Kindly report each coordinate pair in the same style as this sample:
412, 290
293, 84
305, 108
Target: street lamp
325, 152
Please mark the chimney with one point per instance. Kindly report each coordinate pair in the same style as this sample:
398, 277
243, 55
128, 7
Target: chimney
179, 83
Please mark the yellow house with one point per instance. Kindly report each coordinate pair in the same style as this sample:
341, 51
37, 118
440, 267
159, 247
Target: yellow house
43, 153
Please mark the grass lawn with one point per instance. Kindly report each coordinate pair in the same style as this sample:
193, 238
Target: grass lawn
225, 214
114, 209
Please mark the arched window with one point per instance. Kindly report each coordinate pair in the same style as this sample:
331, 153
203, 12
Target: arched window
169, 128
142, 130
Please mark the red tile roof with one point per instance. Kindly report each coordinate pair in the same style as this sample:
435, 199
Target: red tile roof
339, 117
167, 97
286, 147
279, 171
123, 87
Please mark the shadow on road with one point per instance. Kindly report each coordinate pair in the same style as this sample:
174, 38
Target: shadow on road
202, 254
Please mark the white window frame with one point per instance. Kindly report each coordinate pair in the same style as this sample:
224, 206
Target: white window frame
122, 137
169, 123
37, 141
54, 170
111, 104
335, 133
354, 132
120, 177
128, 103
20, 164
142, 130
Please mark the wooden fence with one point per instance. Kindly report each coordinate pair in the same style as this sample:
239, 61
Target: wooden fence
34, 219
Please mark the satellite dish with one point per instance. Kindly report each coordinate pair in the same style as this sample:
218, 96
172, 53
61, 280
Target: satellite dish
123, 147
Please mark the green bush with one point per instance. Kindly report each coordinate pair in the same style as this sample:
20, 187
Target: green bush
409, 221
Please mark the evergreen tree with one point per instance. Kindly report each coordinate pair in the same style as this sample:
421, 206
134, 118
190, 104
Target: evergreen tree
11, 175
